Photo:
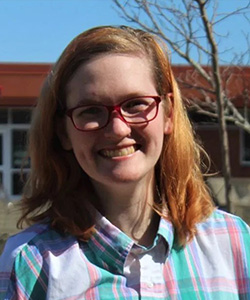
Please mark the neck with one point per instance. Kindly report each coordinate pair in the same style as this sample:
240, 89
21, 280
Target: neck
129, 207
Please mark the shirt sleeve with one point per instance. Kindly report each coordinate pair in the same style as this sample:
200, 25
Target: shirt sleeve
28, 279
240, 242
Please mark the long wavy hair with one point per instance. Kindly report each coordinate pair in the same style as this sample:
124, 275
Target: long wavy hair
57, 187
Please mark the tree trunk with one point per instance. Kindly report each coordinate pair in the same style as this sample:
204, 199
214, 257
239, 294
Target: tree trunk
225, 157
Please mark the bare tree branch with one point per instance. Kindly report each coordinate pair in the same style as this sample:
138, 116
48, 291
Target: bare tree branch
163, 18
187, 28
241, 10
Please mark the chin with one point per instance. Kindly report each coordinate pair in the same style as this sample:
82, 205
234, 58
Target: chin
125, 177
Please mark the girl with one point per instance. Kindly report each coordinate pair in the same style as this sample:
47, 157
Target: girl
116, 193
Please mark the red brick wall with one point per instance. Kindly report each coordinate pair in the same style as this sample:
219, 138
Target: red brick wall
210, 139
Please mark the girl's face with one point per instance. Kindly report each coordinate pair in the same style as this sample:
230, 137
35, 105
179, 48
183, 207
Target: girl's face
119, 153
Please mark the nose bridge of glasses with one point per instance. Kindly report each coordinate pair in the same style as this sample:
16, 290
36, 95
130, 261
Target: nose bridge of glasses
115, 111
116, 125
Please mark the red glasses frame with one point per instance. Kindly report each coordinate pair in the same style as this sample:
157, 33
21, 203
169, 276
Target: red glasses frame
117, 108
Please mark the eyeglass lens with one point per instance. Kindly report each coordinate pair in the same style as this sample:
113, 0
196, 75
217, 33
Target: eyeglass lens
135, 111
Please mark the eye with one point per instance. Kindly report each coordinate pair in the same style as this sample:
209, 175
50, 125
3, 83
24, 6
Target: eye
137, 104
88, 111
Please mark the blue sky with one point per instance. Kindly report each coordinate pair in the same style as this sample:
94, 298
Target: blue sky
39, 30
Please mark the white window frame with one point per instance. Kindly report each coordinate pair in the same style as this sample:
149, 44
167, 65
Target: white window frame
4, 167
7, 169
243, 161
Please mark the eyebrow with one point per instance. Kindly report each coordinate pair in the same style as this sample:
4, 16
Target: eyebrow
100, 100
86, 101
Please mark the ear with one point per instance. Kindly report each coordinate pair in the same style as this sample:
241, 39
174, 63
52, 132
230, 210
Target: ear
61, 131
169, 119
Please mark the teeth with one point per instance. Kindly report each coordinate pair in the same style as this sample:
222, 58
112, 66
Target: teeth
120, 152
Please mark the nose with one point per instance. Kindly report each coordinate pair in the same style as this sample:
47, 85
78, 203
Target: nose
117, 127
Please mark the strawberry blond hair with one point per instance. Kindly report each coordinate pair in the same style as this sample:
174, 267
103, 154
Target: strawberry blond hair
58, 189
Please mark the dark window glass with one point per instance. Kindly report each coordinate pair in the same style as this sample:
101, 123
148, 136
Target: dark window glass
21, 116
3, 116
1, 149
18, 182
246, 149
19, 152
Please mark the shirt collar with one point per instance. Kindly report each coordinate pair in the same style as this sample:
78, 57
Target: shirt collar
166, 230
111, 246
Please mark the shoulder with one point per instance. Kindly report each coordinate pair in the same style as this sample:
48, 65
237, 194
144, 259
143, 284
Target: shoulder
16, 243
38, 239
221, 221
227, 230
41, 261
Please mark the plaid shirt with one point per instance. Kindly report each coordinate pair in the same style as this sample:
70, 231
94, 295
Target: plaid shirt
39, 263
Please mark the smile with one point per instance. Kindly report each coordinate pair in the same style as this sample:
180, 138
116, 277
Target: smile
118, 152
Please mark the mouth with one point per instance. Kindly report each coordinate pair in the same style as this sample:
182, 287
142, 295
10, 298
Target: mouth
119, 152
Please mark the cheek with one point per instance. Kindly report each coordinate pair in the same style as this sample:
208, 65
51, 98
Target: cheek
155, 134
82, 145
161, 128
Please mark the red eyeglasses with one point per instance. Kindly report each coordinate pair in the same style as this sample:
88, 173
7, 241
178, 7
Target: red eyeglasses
137, 110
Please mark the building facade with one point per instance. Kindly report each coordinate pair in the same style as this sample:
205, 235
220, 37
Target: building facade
19, 88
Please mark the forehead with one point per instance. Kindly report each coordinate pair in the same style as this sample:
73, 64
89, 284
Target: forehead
108, 62
112, 75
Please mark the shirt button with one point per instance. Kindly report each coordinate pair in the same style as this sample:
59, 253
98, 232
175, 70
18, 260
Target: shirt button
150, 284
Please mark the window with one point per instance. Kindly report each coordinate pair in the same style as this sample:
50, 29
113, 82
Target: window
1, 159
14, 125
245, 148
